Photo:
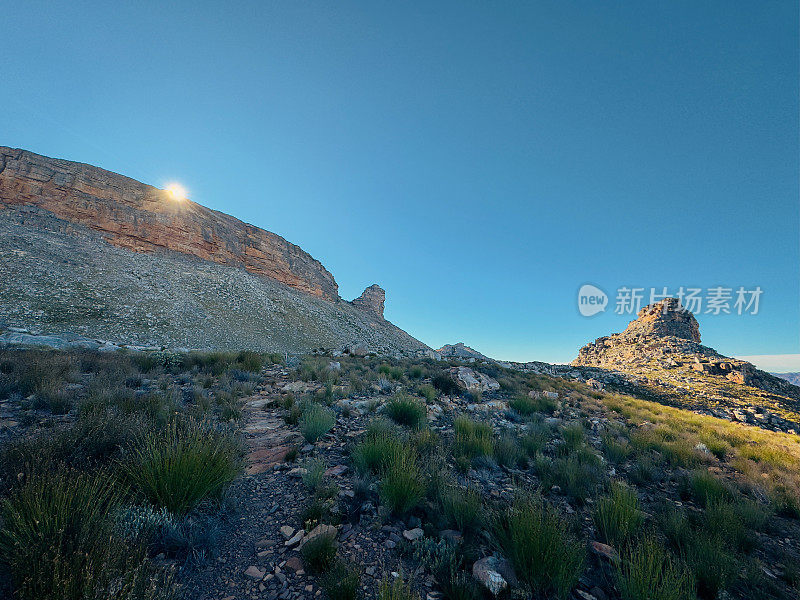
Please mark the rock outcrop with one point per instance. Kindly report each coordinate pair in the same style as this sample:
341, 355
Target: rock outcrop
142, 218
461, 351
372, 300
661, 351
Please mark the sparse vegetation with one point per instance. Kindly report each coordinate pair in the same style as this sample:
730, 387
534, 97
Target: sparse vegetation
648, 572
617, 516
184, 463
316, 420
402, 486
405, 411
537, 541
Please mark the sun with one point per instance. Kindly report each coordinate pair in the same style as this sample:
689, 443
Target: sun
176, 191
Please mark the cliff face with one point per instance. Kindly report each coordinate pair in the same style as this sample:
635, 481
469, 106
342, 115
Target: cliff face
142, 218
372, 300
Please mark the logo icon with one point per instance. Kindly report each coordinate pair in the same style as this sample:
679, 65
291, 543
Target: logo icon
591, 300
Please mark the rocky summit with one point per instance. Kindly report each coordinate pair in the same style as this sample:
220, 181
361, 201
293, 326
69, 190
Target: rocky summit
660, 351
460, 350
93, 253
372, 300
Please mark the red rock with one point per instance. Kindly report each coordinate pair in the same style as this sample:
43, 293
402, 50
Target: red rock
143, 218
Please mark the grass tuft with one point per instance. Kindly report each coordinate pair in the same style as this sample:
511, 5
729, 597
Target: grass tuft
183, 464
537, 541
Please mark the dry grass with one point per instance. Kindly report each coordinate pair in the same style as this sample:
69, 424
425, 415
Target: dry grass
761, 459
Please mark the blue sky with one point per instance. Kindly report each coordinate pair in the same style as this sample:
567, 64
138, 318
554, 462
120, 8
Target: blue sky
480, 161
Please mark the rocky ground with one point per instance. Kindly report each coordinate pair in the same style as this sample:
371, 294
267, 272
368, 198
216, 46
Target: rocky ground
54, 281
260, 556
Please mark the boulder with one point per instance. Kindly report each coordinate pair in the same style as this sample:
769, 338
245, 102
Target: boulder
494, 573
474, 381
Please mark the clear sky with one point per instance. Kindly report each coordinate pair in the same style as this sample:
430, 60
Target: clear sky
480, 161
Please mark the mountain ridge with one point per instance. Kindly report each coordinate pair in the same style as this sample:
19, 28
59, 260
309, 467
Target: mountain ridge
93, 253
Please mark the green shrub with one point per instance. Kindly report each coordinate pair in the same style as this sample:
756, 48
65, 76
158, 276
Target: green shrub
706, 553
428, 392
578, 475
379, 444
472, 439
247, 360
574, 437
341, 582
316, 421
534, 439
617, 516
445, 384
402, 486
397, 589
319, 552
183, 464
507, 452
712, 562
616, 450
648, 572
406, 411
58, 540
538, 543
314, 476
462, 508
525, 405
706, 488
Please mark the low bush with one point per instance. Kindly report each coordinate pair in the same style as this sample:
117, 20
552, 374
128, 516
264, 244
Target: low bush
534, 439
319, 552
58, 540
316, 421
314, 476
617, 516
406, 411
615, 449
445, 384
428, 392
507, 451
578, 475
525, 405
706, 488
537, 541
472, 439
373, 452
397, 589
648, 572
341, 582
184, 463
402, 485
574, 437
462, 508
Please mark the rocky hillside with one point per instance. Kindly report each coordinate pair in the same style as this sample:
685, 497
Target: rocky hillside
460, 350
139, 217
94, 253
793, 378
661, 352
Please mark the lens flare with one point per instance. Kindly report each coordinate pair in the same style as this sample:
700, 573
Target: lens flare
176, 191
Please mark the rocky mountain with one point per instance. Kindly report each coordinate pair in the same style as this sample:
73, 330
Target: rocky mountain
97, 254
660, 352
793, 378
460, 351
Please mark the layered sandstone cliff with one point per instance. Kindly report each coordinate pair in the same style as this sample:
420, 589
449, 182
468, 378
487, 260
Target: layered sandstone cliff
142, 218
